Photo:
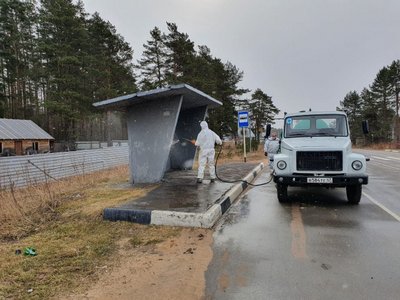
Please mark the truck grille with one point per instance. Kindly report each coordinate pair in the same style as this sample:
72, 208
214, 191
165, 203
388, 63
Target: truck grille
319, 160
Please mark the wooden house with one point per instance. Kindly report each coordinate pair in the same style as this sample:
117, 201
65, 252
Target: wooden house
21, 137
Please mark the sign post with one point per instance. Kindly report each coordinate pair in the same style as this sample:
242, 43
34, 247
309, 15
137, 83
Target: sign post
243, 122
250, 137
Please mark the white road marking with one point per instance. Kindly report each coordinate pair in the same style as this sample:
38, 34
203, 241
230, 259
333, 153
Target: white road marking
382, 206
386, 166
380, 158
396, 158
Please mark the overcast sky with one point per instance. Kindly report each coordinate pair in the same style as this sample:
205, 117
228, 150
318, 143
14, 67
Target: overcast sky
303, 53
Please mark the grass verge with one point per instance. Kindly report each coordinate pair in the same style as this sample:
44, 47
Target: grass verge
63, 222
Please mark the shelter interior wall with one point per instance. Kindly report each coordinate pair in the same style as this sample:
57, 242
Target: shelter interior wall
183, 151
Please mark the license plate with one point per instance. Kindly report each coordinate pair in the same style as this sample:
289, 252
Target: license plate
319, 180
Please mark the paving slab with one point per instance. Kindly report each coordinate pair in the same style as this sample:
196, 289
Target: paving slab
180, 201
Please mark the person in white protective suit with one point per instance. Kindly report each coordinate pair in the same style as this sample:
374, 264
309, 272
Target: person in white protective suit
206, 140
271, 147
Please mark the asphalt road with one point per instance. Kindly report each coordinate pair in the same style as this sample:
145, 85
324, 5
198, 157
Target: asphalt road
317, 247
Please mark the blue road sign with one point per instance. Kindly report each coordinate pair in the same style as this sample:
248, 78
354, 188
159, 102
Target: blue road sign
243, 119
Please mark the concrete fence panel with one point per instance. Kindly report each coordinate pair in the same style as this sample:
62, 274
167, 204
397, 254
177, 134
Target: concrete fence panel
27, 170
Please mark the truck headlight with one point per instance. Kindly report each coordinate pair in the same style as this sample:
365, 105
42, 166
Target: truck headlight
357, 165
281, 165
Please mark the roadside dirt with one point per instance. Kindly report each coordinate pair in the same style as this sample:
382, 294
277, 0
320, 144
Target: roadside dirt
173, 269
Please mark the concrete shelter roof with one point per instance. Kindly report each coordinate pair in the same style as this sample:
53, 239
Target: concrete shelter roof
191, 97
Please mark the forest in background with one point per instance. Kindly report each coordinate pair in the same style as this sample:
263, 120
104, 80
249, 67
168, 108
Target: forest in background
56, 60
379, 104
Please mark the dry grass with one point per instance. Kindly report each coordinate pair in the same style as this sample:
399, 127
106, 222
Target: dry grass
232, 153
380, 146
383, 146
63, 221
25, 208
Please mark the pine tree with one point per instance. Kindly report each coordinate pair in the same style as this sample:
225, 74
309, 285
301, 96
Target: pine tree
110, 72
352, 105
110, 61
180, 54
382, 91
370, 113
262, 111
55, 62
198, 69
224, 118
204, 70
16, 48
153, 64
63, 44
394, 78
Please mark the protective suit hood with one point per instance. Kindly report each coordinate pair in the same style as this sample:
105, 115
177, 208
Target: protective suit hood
203, 125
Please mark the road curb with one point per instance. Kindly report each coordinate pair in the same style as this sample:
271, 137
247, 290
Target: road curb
391, 150
185, 219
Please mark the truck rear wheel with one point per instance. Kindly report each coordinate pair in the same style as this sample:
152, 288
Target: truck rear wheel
354, 193
282, 192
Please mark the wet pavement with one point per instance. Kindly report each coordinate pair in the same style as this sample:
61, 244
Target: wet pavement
179, 191
316, 247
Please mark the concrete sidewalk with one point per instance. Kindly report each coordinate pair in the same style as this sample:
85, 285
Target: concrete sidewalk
180, 201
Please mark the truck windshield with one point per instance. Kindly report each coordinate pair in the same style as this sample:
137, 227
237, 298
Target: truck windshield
316, 125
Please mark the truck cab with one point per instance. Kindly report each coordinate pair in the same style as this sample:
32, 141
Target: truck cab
316, 150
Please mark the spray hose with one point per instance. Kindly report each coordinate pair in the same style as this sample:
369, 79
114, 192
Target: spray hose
239, 180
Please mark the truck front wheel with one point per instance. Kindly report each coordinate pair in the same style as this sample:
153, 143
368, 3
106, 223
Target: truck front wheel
282, 192
354, 193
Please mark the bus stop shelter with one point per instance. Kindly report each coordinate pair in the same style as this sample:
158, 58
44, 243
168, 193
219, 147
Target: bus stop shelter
161, 123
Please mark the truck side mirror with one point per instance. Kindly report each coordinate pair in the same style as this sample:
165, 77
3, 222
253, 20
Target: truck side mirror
267, 130
365, 127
